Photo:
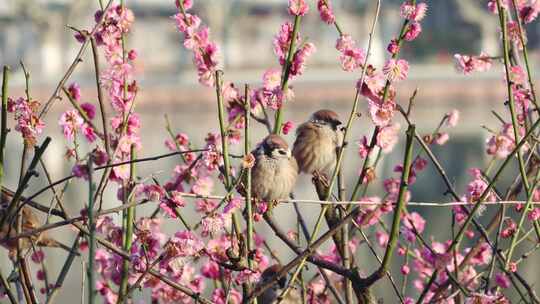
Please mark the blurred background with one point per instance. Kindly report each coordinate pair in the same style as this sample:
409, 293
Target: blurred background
35, 32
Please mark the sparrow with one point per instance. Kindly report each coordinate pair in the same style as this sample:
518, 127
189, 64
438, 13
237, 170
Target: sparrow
317, 141
29, 222
274, 172
270, 296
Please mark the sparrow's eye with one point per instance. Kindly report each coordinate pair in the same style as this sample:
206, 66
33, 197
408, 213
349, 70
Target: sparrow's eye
282, 152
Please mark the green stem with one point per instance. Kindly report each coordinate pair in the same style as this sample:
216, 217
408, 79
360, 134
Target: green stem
394, 232
525, 54
129, 218
92, 235
4, 130
249, 207
502, 18
286, 72
225, 143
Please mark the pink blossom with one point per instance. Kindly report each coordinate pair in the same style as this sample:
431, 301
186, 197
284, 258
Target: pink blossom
468, 64
99, 157
132, 55
482, 255
187, 4
89, 110
88, 132
413, 31
38, 256
420, 164
187, 23
80, 171
233, 205
413, 222
186, 243
530, 12
393, 47
27, 120
154, 192
282, 41
517, 75
220, 296
413, 12
352, 59
75, 91
405, 269
300, 58
441, 138
287, 127
363, 147
298, 7
325, 11
381, 114
382, 238
509, 229
211, 225
501, 144
203, 186
210, 270
534, 214
272, 79
388, 137
452, 118
396, 69
345, 42
514, 35
351, 56
370, 214
477, 186
70, 121
374, 83
502, 280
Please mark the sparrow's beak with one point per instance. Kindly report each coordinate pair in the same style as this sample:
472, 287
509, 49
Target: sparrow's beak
289, 154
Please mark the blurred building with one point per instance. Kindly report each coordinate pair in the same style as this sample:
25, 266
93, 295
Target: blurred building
35, 31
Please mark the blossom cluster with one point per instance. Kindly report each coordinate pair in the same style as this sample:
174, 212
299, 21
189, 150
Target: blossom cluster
206, 53
27, 119
207, 254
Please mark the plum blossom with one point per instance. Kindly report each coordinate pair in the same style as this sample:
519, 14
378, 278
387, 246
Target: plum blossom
396, 69
468, 64
388, 137
282, 41
298, 7
413, 12
28, 122
299, 59
413, 31
412, 222
206, 53
351, 57
502, 144
70, 121
325, 11
75, 91
502, 280
452, 118
287, 127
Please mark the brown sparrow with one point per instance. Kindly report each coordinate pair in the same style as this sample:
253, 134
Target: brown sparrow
275, 170
29, 222
270, 296
317, 141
